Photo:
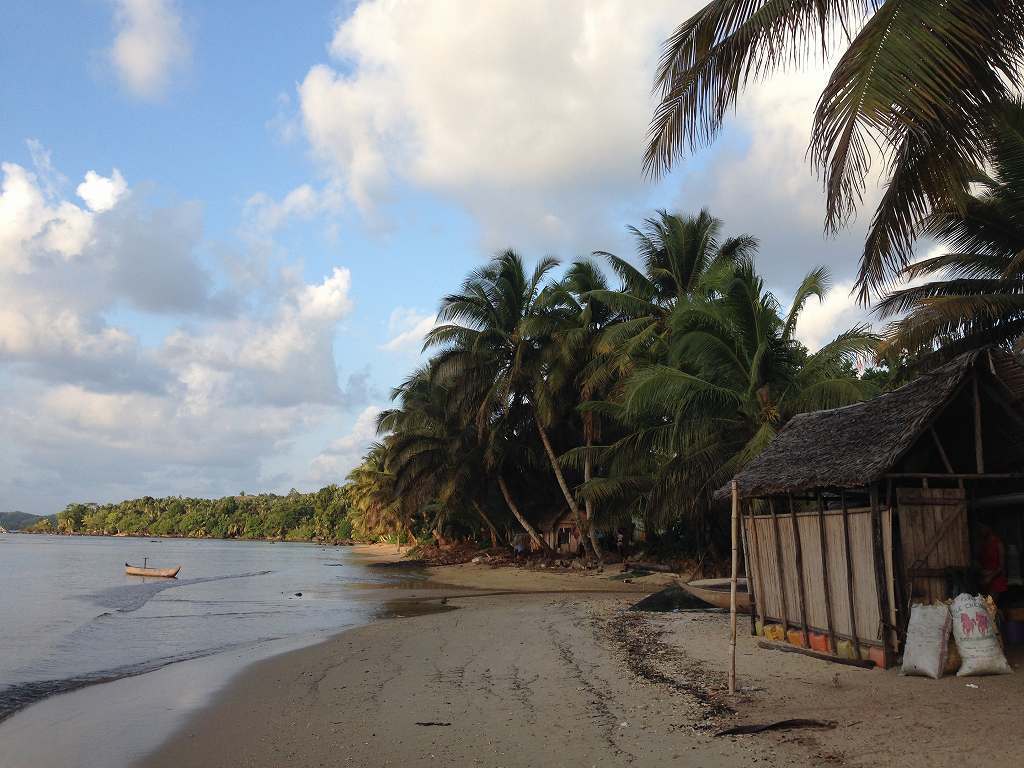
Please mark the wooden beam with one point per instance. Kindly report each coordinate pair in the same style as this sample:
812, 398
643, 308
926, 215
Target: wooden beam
824, 570
882, 585
753, 542
798, 551
732, 587
955, 476
745, 506
779, 564
786, 648
849, 573
979, 454
942, 451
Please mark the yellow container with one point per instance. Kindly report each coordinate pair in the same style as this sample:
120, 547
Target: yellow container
774, 632
796, 637
845, 649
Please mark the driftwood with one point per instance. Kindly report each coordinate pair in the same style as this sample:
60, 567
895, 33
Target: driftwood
786, 648
628, 564
778, 725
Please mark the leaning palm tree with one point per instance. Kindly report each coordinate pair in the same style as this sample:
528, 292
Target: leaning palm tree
916, 78
491, 347
976, 296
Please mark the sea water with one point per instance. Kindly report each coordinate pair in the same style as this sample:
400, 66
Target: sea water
71, 620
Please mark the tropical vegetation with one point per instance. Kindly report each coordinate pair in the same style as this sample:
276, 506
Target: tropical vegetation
915, 87
323, 515
618, 395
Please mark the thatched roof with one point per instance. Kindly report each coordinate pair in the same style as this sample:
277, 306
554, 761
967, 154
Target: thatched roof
851, 446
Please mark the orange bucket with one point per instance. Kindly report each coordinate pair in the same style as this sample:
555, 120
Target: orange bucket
820, 642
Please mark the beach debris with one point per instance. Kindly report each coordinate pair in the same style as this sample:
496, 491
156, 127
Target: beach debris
298, 594
972, 685
432, 722
671, 598
778, 725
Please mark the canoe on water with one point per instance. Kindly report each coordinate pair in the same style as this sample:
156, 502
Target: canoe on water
136, 570
716, 593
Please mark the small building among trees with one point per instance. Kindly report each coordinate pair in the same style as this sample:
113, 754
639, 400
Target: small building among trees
853, 514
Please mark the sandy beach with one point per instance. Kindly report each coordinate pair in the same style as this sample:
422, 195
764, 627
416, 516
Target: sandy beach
460, 675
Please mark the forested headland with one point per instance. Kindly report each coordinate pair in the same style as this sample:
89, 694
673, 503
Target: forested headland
323, 515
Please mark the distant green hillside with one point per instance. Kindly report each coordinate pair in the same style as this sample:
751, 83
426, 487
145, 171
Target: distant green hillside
15, 521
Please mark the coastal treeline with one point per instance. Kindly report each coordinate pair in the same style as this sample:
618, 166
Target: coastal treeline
323, 515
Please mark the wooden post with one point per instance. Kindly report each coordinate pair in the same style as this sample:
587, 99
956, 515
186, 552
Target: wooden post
744, 516
779, 565
824, 569
732, 587
799, 554
882, 585
849, 574
978, 452
752, 550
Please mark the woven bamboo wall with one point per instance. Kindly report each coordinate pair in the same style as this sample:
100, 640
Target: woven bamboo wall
933, 531
771, 543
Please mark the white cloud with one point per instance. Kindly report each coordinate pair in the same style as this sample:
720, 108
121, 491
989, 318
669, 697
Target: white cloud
531, 114
343, 454
101, 193
96, 408
264, 215
30, 225
822, 321
149, 45
407, 329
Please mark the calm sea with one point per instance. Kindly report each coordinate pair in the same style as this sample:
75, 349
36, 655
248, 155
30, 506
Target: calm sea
71, 618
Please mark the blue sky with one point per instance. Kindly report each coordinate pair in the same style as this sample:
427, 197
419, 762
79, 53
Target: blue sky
224, 226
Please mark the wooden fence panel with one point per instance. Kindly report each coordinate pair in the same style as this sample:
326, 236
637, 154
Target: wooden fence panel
769, 585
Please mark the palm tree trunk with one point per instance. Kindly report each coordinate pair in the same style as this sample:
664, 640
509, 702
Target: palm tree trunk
589, 505
569, 498
530, 530
486, 519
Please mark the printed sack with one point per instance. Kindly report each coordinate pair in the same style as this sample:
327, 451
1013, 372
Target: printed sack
975, 634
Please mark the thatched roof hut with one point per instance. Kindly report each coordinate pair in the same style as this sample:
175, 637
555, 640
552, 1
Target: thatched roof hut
852, 514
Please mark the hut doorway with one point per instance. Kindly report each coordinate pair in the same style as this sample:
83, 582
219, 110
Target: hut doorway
934, 540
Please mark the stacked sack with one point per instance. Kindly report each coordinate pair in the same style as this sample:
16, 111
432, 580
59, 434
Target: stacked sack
972, 619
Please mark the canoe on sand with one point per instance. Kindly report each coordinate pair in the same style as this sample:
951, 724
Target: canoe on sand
167, 573
716, 593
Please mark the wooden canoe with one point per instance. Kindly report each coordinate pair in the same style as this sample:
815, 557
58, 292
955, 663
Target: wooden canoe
716, 592
166, 573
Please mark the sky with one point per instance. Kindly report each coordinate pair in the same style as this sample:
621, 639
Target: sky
225, 227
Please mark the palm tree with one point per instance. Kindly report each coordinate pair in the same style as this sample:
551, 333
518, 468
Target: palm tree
433, 454
679, 257
734, 374
917, 79
491, 344
977, 294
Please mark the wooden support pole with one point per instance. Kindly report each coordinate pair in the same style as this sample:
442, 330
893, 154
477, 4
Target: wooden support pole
979, 455
942, 451
826, 582
779, 569
747, 571
732, 587
754, 545
799, 554
849, 574
882, 586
